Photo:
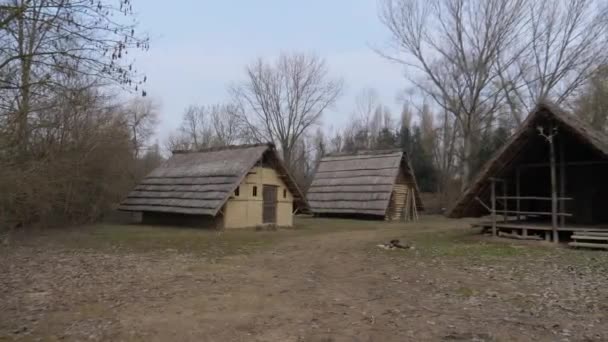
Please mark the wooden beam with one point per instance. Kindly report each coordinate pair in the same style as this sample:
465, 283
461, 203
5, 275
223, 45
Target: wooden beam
562, 181
493, 207
506, 201
517, 191
589, 245
539, 213
520, 237
534, 198
483, 204
577, 163
551, 138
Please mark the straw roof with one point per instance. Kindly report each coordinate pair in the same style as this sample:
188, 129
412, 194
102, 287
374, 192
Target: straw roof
199, 183
507, 156
359, 183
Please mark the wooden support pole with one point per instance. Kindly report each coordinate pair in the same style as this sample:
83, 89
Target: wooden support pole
562, 181
553, 184
505, 202
493, 207
517, 191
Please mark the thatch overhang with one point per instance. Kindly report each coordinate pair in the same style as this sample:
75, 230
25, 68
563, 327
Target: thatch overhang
520, 144
200, 183
359, 183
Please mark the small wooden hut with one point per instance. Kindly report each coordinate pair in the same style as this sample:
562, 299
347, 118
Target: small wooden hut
227, 187
377, 184
547, 181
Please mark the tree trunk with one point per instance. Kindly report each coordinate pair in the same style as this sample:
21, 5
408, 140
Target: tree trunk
466, 159
22, 128
287, 156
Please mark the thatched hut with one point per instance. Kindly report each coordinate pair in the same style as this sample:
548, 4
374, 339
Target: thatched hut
227, 187
377, 184
550, 176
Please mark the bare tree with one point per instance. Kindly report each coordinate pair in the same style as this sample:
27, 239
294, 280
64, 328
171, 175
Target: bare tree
196, 127
226, 122
141, 115
592, 103
366, 103
205, 126
563, 44
452, 50
281, 101
45, 43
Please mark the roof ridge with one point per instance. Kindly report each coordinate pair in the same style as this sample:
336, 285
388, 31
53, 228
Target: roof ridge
223, 148
364, 152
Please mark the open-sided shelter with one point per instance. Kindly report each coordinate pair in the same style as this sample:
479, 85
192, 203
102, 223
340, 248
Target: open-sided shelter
227, 187
378, 184
548, 179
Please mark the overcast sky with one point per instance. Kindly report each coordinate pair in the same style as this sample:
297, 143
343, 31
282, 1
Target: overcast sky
199, 47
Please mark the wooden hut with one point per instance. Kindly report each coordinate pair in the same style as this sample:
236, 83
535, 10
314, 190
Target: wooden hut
377, 184
228, 187
547, 181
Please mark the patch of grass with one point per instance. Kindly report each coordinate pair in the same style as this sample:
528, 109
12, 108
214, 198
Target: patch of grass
139, 238
466, 243
329, 225
465, 291
199, 241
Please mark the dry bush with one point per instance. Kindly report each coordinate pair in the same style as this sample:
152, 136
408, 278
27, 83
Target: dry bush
74, 172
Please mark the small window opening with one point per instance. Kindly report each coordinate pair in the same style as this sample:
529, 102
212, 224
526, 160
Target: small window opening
284, 193
255, 191
236, 192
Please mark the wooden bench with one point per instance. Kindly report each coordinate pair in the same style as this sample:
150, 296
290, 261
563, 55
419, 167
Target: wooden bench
590, 239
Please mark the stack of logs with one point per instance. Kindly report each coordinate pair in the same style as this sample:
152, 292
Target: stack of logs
402, 206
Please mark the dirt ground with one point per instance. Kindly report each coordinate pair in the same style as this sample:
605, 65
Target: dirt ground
325, 281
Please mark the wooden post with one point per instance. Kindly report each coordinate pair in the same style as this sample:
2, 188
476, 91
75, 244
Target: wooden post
553, 184
550, 139
562, 182
493, 207
517, 191
506, 201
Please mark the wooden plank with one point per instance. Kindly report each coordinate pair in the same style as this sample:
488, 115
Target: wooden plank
406, 207
587, 237
483, 204
594, 233
533, 198
519, 237
579, 163
540, 227
414, 210
590, 245
531, 213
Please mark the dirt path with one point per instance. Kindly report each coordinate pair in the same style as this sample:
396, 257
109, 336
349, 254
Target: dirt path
339, 287
325, 287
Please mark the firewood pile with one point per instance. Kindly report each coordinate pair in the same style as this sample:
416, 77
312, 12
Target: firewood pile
394, 245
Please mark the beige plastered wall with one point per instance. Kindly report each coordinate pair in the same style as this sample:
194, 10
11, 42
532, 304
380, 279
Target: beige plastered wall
245, 210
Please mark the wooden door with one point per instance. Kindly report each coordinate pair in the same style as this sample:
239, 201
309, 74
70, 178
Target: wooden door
269, 200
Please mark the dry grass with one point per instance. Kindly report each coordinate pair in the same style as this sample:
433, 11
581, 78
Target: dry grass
323, 280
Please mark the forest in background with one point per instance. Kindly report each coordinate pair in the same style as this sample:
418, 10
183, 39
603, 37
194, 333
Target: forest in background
70, 149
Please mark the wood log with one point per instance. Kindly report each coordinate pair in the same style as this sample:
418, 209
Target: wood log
590, 245
589, 237
519, 237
